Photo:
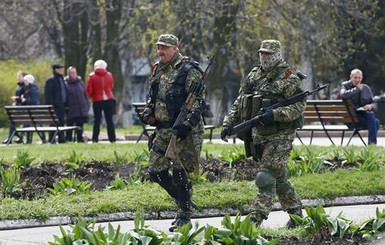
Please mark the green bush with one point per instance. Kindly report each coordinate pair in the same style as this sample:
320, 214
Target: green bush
40, 69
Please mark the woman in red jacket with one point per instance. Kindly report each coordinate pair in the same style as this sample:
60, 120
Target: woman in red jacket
99, 89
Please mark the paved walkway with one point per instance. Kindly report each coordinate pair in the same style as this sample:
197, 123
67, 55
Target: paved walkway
42, 235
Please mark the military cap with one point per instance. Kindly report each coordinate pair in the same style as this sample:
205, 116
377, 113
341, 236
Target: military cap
167, 40
270, 46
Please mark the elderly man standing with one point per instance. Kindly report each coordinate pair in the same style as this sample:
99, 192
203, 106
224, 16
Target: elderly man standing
173, 77
55, 94
270, 141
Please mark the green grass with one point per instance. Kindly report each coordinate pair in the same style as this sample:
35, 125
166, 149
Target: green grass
150, 197
89, 152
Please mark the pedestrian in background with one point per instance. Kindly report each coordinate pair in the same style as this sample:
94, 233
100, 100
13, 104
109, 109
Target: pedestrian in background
361, 97
270, 140
30, 96
77, 104
55, 94
99, 88
16, 101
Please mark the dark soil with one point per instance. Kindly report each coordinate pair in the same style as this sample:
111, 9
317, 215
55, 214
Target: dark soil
37, 178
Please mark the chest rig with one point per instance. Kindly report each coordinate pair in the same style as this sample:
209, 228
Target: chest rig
259, 93
176, 95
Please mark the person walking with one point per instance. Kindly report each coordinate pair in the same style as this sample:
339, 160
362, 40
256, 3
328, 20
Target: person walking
361, 97
77, 104
55, 94
99, 88
270, 141
173, 77
16, 101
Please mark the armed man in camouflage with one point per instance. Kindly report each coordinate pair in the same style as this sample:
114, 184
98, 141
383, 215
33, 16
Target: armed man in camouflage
173, 77
269, 142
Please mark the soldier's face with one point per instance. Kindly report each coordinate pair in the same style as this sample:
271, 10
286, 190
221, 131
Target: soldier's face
165, 53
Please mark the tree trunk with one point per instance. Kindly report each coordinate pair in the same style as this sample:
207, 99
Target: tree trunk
111, 50
224, 33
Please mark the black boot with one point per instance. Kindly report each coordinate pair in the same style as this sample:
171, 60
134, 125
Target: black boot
182, 218
291, 224
164, 179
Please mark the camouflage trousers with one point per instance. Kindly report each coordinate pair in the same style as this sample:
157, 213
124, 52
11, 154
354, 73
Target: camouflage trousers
275, 154
188, 151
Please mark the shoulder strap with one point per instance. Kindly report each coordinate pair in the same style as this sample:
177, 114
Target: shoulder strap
186, 66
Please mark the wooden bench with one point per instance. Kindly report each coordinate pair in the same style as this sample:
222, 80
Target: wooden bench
139, 107
331, 116
39, 118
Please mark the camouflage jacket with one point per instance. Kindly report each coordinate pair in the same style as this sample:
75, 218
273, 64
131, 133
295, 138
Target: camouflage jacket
159, 107
278, 84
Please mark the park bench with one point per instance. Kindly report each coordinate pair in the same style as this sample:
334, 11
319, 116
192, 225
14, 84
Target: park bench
39, 118
139, 107
331, 116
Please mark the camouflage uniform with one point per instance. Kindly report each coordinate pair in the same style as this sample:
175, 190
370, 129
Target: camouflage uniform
271, 144
188, 150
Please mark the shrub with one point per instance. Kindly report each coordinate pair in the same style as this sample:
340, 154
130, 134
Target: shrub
10, 181
69, 186
40, 69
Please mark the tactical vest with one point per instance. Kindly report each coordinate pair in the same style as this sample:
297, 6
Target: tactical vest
177, 94
252, 104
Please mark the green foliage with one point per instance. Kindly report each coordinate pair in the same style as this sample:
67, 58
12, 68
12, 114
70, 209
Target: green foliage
198, 176
350, 155
23, 159
69, 186
85, 233
10, 181
74, 160
233, 155
120, 158
311, 163
40, 69
140, 159
208, 155
237, 232
118, 183
318, 223
368, 160
373, 228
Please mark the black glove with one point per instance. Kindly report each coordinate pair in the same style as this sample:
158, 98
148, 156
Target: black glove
182, 131
226, 131
266, 117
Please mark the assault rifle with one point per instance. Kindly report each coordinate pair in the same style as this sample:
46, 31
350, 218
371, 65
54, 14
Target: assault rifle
243, 127
185, 109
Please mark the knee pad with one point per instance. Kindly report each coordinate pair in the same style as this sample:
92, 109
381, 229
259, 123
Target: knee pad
265, 180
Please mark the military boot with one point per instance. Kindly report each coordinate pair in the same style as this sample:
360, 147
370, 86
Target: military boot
182, 218
291, 224
257, 218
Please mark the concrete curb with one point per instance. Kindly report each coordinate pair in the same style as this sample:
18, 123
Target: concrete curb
55, 221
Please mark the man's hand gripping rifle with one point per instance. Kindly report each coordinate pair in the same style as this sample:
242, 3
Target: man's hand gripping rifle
171, 152
243, 127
